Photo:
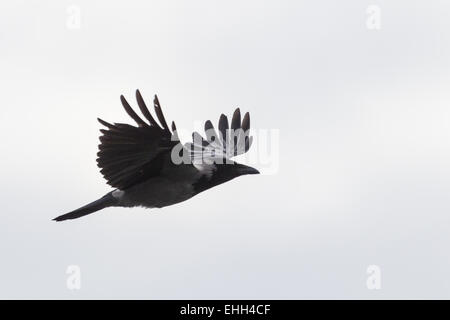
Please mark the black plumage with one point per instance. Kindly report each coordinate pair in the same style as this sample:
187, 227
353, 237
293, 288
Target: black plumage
142, 162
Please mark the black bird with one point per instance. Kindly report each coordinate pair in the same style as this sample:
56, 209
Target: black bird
149, 167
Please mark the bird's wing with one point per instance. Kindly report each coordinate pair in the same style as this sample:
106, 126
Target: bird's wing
228, 142
129, 155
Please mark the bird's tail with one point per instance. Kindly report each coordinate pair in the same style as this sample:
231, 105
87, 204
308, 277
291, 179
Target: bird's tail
106, 201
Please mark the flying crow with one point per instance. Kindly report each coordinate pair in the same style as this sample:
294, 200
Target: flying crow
149, 167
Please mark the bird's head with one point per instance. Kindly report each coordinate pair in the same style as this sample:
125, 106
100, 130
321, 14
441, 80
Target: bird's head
237, 169
223, 173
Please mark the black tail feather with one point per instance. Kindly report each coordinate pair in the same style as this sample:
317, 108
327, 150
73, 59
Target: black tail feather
106, 201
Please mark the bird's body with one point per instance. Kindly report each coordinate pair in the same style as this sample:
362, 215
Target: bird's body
150, 168
173, 186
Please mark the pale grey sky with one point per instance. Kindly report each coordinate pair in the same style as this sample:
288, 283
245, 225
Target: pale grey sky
364, 154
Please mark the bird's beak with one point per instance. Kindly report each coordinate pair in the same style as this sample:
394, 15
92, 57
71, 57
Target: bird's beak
248, 170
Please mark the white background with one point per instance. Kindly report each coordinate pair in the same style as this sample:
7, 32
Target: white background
364, 152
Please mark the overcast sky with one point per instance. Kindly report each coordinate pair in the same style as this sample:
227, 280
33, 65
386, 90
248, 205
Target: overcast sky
359, 174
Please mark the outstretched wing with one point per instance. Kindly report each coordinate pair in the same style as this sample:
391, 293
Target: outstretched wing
224, 144
129, 155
